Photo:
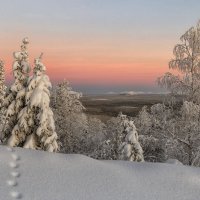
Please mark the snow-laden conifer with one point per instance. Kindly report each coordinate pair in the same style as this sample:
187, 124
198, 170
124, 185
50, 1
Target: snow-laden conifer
2, 96
130, 148
2, 83
71, 122
14, 99
35, 128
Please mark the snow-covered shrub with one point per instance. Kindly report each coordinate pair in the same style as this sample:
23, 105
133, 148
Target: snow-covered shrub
149, 123
176, 150
174, 134
115, 135
144, 121
190, 110
108, 149
104, 151
154, 148
96, 134
188, 128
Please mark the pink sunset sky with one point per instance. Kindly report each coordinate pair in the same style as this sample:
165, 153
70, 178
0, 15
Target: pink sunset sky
99, 46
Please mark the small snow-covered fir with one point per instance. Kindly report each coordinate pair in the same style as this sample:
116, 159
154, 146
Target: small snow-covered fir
130, 148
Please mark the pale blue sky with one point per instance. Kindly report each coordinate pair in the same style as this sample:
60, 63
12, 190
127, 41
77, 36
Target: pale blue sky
118, 21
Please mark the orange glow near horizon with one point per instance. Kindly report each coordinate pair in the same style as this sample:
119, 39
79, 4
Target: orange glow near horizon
94, 73
95, 63
96, 45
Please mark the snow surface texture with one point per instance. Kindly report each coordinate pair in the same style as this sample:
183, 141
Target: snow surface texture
35, 175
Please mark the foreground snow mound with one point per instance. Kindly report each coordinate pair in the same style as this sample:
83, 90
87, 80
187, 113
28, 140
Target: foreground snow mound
36, 175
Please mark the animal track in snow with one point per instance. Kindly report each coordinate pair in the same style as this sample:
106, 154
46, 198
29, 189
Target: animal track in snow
10, 149
15, 174
16, 195
15, 157
12, 182
14, 165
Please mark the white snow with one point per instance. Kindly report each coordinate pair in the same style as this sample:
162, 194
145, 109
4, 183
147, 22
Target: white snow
52, 176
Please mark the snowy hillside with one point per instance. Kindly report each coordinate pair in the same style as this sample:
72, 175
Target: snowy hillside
35, 175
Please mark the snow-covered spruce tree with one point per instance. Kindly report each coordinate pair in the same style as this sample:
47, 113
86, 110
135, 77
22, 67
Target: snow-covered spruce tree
15, 97
65, 97
35, 127
2, 96
130, 148
77, 132
2, 83
71, 122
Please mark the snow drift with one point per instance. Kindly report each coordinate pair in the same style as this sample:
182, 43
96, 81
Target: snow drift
36, 175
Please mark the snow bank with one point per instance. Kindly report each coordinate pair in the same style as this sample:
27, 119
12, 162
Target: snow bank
35, 175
